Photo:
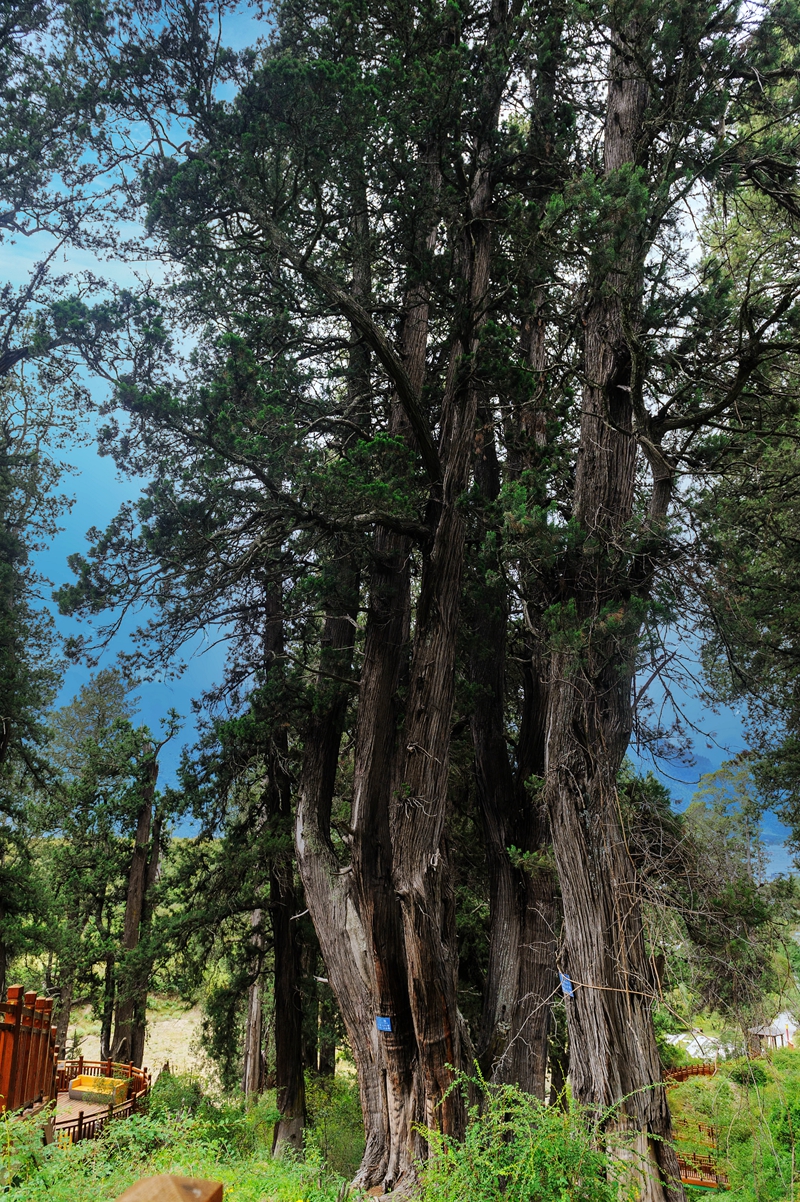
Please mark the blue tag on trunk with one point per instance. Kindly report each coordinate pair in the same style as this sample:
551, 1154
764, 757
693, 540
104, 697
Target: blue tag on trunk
383, 1024
566, 985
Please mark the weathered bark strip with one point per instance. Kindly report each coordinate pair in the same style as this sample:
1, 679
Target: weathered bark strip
521, 974
122, 1047
252, 1063
613, 1057
330, 893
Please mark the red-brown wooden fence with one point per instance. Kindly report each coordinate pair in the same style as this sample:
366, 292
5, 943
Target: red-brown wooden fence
28, 1051
674, 1076
701, 1170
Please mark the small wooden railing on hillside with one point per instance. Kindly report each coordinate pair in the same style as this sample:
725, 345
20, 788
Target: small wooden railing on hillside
695, 1168
28, 1050
67, 1131
701, 1170
673, 1076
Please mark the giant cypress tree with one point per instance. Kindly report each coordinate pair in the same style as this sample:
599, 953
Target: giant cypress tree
461, 344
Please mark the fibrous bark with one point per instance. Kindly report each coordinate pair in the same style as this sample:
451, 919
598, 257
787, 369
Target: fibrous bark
253, 1061
128, 988
614, 1061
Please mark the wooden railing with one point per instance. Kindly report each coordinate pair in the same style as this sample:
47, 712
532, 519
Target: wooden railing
68, 1131
28, 1051
703, 1128
701, 1170
697, 1169
673, 1076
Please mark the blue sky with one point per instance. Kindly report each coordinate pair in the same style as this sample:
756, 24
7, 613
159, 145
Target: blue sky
98, 492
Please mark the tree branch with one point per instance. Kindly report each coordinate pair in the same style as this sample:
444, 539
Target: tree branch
372, 334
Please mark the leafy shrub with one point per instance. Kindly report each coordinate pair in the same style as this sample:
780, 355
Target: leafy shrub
750, 1073
174, 1094
224, 1142
336, 1124
135, 1138
22, 1153
519, 1150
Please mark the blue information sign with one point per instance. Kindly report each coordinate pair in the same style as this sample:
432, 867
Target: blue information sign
566, 985
383, 1024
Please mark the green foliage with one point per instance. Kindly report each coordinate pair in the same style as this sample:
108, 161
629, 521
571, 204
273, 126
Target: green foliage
519, 1150
751, 1073
532, 862
174, 1094
84, 818
337, 1127
665, 1023
715, 927
181, 1134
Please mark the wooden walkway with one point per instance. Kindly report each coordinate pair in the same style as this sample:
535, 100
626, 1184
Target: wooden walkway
89, 1120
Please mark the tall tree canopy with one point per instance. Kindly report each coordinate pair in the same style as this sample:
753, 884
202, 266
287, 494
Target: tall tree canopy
462, 329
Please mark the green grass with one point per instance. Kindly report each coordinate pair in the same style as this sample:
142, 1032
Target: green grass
519, 1150
516, 1149
183, 1133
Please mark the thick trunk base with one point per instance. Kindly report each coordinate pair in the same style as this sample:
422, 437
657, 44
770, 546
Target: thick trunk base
288, 1135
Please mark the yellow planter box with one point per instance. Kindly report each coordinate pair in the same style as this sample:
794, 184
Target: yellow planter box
105, 1090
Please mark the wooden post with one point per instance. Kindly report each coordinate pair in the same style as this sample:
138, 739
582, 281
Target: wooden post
39, 1043
53, 1063
167, 1188
79, 1132
26, 1038
10, 1048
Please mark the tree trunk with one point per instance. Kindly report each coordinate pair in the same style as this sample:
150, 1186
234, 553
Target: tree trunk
146, 957
329, 889
613, 1056
521, 973
422, 874
107, 1015
385, 653
65, 1007
521, 976
385, 643
122, 1048
252, 1073
289, 1079
614, 1061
